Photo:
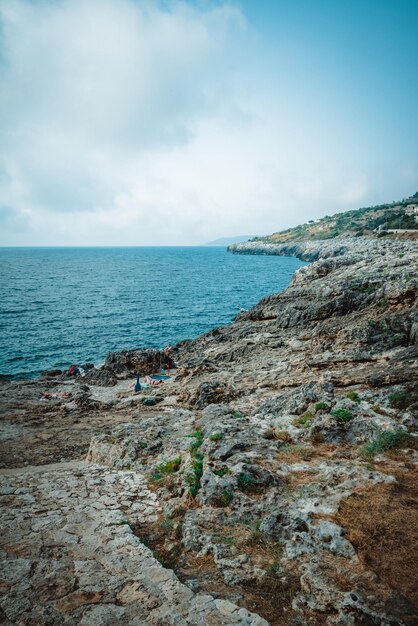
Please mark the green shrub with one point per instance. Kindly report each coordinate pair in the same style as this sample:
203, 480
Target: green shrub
197, 435
165, 469
352, 395
222, 472
197, 466
342, 415
238, 415
215, 436
245, 482
194, 488
304, 420
321, 406
193, 480
227, 497
383, 442
401, 399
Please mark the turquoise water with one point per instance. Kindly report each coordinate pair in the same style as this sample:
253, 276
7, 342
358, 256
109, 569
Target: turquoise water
74, 305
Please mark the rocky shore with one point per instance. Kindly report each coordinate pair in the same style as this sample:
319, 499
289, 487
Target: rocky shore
271, 481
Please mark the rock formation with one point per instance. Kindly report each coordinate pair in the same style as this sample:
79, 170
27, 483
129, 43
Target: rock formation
273, 482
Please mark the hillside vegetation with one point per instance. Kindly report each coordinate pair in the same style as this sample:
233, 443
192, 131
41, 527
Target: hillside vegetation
364, 221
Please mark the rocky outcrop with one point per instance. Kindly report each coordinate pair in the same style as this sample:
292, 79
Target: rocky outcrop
305, 250
125, 364
72, 557
280, 459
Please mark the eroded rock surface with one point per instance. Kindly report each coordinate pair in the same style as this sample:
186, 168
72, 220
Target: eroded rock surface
276, 464
69, 555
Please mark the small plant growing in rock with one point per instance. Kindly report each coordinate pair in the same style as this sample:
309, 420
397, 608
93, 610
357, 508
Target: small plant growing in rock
167, 525
222, 472
255, 532
165, 469
377, 409
197, 435
383, 442
401, 399
352, 395
283, 435
227, 497
296, 452
245, 482
304, 420
193, 480
215, 436
238, 415
321, 406
342, 415
395, 340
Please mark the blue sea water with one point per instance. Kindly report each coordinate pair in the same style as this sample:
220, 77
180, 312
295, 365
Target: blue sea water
74, 305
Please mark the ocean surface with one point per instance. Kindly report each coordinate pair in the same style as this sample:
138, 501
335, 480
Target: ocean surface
60, 306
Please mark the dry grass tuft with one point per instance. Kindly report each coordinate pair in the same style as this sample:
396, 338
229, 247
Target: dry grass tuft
382, 524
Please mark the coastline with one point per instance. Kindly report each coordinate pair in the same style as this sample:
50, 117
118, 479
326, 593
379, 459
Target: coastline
76, 307
257, 451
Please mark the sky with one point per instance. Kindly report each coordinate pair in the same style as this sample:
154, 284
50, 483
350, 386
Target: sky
147, 122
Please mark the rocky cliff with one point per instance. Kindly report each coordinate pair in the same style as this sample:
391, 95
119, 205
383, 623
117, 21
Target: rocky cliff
281, 460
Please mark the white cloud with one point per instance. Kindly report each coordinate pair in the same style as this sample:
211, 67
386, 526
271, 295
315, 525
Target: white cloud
135, 122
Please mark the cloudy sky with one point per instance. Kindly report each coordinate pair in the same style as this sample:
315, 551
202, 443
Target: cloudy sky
147, 122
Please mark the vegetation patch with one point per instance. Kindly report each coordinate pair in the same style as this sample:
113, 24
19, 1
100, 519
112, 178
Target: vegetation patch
283, 435
352, 395
197, 436
222, 472
382, 524
385, 441
342, 415
321, 406
193, 480
245, 482
402, 399
166, 469
215, 436
238, 415
356, 223
377, 409
225, 498
304, 420
295, 453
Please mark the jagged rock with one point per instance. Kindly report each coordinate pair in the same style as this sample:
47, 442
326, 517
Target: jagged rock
213, 488
51, 373
146, 361
101, 377
292, 402
211, 393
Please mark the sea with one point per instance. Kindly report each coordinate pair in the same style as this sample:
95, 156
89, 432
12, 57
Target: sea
60, 306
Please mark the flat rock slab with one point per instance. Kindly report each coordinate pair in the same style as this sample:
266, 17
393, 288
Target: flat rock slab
68, 555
